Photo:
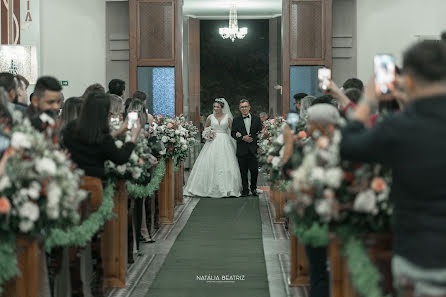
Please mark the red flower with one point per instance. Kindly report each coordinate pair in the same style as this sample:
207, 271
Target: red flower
5, 206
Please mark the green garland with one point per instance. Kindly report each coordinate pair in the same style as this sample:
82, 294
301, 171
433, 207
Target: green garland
139, 191
316, 235
8, 260
364, 275
80, 235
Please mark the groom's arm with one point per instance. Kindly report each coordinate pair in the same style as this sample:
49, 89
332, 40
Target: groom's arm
234, 129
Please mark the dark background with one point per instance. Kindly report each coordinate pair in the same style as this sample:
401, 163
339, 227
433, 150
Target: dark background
234, 70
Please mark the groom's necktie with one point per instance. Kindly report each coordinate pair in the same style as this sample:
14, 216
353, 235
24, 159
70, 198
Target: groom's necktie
247, 121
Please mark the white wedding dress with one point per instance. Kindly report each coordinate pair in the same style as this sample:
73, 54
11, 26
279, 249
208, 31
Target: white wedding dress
216, 172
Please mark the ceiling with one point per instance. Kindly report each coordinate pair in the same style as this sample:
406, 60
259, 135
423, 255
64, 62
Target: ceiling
219, 9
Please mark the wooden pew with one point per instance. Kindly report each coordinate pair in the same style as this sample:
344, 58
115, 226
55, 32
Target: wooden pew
114, 241
179, 182
166, 195
31, 261
299, 272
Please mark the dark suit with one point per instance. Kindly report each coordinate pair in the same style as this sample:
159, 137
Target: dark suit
247, 152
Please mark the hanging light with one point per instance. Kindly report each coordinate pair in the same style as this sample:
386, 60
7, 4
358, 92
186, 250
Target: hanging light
233, 31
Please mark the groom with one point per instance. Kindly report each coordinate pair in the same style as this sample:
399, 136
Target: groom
244, 130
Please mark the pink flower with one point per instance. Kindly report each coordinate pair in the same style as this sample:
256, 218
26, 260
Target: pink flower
323, 142
378, 184
270, 158
273, 121
169, 125
5, 206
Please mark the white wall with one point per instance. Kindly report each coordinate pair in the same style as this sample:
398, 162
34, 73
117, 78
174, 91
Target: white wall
390, 26
73, 42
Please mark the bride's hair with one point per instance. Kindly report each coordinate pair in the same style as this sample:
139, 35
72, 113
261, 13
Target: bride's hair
219, 101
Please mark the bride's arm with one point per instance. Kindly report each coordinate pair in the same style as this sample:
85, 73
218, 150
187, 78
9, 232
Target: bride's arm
230, 123
208, 122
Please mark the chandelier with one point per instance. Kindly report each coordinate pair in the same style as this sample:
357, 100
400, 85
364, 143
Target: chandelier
233, 31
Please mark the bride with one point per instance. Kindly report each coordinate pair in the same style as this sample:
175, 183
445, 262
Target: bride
216, 172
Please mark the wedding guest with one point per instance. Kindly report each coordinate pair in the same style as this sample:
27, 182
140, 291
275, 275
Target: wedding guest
89, 140
115, 106
412, 143
297, 98
71, 110
9, 83
22, 86
326, 99
353, 83
263, 116
117, 87
94, 88
139, 95
353, 94
46, 98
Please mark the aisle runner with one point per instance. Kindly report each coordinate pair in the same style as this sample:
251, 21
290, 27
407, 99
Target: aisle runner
218, 253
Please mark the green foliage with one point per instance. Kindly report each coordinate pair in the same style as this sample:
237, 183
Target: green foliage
80, 235
140, 191
8, 259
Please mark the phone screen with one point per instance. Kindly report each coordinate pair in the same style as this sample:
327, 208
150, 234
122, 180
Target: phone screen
133, 117
324, 76
384, 74
292, 120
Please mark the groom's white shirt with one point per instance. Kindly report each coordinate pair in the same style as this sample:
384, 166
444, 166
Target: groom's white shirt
247, 122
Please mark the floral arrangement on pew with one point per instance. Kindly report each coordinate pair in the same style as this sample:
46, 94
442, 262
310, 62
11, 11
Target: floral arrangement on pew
344, 198
271, 147
39, 190
177, 135
334, 193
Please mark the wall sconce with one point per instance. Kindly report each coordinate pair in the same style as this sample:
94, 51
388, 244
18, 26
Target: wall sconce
19, 59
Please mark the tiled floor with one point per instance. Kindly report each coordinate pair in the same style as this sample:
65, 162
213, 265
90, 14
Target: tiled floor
275, 241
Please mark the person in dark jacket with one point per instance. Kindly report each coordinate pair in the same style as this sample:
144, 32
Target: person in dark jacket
89, 141
412, 143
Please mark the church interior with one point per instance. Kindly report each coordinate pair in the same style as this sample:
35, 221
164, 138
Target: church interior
122, 122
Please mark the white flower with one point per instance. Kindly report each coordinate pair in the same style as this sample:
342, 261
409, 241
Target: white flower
275, 162
163, 151
184, 147
4, 182
46, 165
183, 141
164, 139
334, 177
34, 190
29, 210
59, 156
121, 168
265, 142
317, 173
366, 202
54, 193
324, 208
119, 143
280, 139
177, 132
46, 119
136, 173
20, 140
134, 157
26, 226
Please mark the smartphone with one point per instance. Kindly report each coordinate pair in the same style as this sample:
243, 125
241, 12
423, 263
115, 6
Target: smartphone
384, 74
133, 117
324, 76
292, 120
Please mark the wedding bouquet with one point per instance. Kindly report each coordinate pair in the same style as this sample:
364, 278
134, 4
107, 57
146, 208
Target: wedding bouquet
40, 187
209, 133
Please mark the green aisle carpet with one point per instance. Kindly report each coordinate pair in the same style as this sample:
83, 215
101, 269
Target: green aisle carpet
219, 253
